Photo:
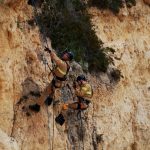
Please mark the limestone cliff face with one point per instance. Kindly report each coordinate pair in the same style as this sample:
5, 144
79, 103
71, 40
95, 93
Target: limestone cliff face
124, 114
118, 118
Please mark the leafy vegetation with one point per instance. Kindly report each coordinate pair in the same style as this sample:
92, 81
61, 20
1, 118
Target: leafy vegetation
113, 5
68, 25
130, 3
1, 1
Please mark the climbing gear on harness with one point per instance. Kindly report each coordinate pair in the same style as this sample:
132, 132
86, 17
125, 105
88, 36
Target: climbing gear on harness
35, 107
82, 106
81, 77
65, 106
48, 101
60, 119
61, 79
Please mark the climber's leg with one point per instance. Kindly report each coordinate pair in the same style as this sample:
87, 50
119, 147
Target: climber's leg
74, 106
83, 106
47, 95
48, 91
77, 106
55, 84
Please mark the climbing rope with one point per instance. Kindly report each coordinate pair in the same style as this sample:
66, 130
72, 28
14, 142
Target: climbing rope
72, 94
48, 115
49, 128
53, 123
81, 127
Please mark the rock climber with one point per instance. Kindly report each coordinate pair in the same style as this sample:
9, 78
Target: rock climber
60, 72
83, 92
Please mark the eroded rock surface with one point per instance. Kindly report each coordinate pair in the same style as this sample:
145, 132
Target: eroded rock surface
118, 118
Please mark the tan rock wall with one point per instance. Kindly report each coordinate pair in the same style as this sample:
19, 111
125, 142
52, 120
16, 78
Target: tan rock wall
147, 2
118, 118
124, 118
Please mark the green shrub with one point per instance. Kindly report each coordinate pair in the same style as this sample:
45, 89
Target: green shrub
130, 3
1, 1
113, 5
68, 25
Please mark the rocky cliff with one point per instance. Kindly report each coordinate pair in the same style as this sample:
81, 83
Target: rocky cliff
118, 118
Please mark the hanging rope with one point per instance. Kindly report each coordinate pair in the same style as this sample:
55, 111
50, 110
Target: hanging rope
49, 129
53, 123
49, 134
81, 127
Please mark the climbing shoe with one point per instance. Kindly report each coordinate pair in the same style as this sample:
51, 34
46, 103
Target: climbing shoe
60, 119
48, 101
35, 107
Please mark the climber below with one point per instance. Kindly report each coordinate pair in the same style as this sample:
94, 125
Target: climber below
59, 72
83, 92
